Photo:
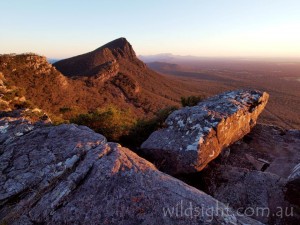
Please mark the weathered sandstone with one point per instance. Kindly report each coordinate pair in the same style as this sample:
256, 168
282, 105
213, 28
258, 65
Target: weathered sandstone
194, 136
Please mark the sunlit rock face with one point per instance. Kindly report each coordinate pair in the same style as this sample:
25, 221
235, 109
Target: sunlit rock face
196, 135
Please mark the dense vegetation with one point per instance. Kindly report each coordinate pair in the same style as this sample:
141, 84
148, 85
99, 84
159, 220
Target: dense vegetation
121, 126
111, 122
142, 128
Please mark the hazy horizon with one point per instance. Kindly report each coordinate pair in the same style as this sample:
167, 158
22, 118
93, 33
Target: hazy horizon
158, 57
56, 29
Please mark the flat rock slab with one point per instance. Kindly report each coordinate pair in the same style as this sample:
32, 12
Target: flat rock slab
196, 135
68, 174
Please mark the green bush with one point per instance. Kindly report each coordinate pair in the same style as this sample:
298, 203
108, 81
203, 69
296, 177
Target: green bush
110, 122
3, 106
64, 109
144, 127
22, 105
10, 95
121, 126
192, 100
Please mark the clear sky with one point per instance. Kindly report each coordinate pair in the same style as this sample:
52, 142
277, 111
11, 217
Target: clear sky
63, 28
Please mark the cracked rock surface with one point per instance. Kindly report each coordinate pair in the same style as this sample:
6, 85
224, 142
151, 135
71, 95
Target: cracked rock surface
68, 174
196, 135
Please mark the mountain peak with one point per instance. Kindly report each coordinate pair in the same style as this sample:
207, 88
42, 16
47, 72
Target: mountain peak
120, 48
117, 43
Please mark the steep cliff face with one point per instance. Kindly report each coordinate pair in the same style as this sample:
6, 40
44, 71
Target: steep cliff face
196, 135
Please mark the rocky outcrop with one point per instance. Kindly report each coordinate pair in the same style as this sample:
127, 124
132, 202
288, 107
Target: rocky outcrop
196, 135
68, 174
256, 176
27, 61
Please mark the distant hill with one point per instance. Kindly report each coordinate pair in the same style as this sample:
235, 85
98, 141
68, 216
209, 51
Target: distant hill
109, 75
163, 57
163, 67
170, 58
51, 60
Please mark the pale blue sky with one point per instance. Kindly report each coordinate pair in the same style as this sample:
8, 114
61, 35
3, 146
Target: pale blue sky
63, 28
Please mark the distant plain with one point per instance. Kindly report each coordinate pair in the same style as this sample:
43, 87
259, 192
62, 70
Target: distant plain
280, 78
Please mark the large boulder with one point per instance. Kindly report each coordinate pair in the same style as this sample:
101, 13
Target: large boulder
194, 136
68, 174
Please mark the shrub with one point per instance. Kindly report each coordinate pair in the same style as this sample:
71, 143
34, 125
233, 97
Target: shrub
144, 127
3, 106
192, 100
121, 126
23, 105
110, 122
64, 109
11, 94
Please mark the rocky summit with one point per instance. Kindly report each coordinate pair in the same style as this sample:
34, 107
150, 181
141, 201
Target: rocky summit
68, 174
194, 136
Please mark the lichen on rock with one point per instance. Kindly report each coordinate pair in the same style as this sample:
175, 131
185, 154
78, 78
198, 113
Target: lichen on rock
196, 135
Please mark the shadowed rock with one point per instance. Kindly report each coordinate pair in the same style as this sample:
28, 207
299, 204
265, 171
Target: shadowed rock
260, 175
293, 186
68, 174
196, 135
